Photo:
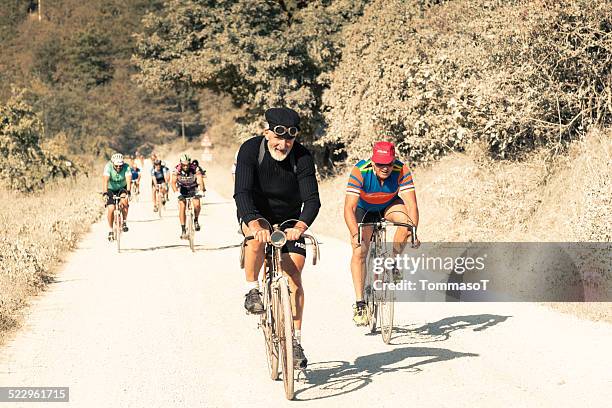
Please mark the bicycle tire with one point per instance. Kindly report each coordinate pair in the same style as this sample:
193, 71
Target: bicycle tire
267, 327
118, 226
386, 301
284, 330
159, 205
191, 232
370, 297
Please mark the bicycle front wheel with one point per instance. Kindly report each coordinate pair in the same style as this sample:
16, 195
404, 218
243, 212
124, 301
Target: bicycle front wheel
386, 302
267, 326
191, 232
159, 204
117, 229
284, 331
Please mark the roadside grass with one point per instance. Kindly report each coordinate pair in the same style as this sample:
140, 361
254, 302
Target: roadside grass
36, 231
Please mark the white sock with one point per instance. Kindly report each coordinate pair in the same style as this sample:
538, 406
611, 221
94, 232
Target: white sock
252, 285
298, 336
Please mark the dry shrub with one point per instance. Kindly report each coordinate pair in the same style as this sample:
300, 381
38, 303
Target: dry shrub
35, 231
469, 196
516, 75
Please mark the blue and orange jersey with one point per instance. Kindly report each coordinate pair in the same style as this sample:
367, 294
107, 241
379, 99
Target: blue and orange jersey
372, 195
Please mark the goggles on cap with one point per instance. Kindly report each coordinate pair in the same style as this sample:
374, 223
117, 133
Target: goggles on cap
284, 131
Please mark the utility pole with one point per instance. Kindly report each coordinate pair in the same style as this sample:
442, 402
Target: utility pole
183, 124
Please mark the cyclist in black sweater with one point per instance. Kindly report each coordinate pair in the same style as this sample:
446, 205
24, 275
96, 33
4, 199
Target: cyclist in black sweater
275, 180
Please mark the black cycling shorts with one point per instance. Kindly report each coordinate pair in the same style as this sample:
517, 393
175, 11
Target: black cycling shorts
188, 192
109, 199
294, 247
364, 215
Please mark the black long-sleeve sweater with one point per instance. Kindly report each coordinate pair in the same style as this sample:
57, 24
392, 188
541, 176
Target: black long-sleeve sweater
272, 189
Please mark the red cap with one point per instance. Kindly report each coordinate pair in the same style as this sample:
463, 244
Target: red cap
383, 153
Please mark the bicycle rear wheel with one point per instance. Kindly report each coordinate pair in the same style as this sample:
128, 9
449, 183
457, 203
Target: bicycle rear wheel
386, 302
191, 231
267, 327
284, 331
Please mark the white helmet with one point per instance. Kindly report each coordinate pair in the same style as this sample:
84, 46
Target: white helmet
117, 159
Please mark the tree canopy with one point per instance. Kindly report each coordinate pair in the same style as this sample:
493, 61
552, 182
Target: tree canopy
263, 53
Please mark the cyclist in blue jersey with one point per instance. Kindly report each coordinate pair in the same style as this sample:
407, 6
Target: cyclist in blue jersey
380, 187
135, 175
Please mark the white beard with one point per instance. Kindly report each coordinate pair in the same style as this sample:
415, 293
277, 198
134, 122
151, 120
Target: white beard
278, 156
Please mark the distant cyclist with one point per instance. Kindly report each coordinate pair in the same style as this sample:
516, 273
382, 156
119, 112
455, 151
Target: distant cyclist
379, 187
187, 178
166, 168
160, 177
136, 175
117, 180
200, 168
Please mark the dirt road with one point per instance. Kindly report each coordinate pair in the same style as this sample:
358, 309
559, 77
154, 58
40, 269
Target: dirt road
159, 326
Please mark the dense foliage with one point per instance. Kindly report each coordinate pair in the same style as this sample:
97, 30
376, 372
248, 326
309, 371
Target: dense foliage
516, 74
75, 63
25, 165
432, 75
263, 53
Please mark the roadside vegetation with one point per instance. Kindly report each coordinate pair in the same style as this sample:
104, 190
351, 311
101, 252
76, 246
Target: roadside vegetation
36, 232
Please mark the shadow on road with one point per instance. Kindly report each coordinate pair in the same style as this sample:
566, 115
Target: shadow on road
442, 329
155, 248
186, 245
334, 378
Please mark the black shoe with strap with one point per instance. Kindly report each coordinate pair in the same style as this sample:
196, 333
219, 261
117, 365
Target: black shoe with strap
125, 227
299, 359
196, 225
253, 303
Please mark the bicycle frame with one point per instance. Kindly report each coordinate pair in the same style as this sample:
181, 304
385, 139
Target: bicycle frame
277, 306
379, 303
190, 219
118, 219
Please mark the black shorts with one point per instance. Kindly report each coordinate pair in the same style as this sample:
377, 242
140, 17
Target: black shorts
111, 193
364, 215
158, 181
188, 192
294, 247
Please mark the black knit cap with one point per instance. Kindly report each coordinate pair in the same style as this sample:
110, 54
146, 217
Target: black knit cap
282, 116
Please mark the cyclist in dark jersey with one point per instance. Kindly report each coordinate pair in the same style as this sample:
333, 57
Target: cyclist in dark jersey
186, 178
160, 176
275, 180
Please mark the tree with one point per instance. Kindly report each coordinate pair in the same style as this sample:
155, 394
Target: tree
263, 53
25, 166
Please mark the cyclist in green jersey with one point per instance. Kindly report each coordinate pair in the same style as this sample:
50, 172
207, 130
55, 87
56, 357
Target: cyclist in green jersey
117, 179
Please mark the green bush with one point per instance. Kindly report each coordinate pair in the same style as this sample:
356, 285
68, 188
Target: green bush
25, 165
